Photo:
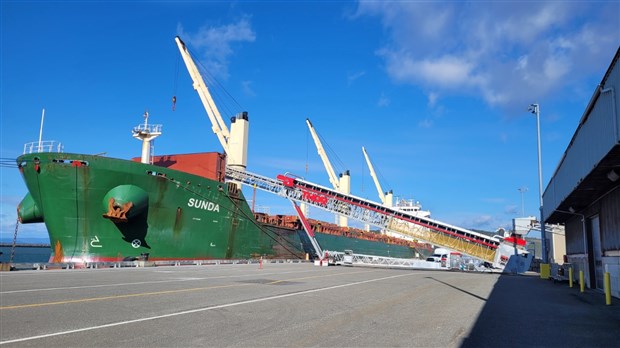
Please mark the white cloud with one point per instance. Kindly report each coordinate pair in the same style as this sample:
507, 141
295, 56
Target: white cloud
383, 100
246, 87
432, 99
482, 220
353, 77
445, 71
508, 53
511, 210
215, 43
522, 63
556, 68
425, 123
494, 200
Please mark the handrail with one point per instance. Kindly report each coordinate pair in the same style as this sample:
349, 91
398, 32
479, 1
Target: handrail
43, 146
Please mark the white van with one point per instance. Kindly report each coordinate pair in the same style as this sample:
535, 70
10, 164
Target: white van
438, 255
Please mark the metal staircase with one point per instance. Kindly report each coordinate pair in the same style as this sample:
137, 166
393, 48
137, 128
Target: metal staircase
470, 243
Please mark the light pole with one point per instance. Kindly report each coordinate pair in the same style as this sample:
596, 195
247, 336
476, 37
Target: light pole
535, 109
522, 190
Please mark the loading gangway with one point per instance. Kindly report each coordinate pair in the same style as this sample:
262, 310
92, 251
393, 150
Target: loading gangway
477, 245
348, 258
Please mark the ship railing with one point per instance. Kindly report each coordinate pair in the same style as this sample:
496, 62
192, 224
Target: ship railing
148, 128
43, 146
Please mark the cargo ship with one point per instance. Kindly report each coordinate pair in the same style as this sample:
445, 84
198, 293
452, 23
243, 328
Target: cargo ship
100, 209
170, 207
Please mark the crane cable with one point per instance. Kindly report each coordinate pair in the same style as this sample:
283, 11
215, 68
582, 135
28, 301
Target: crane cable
175, 84
7, 162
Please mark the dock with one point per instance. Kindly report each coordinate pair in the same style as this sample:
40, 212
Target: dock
296, 304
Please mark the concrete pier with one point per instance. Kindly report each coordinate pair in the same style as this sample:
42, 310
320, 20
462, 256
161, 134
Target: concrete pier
296, 305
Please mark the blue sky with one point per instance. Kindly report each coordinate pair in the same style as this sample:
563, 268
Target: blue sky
437, 92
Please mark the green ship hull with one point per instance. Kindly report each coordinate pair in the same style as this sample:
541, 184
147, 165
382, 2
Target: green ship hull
173, 215
332, 242
366, 247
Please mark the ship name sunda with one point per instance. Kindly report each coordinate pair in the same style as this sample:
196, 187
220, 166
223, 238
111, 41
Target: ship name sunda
206, 205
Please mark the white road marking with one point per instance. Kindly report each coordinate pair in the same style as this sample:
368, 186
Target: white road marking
269, 298
142, 283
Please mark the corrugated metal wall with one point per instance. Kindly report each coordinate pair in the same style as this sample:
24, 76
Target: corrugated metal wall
613, 82
610, 221
574, 236
591, 142
608, 210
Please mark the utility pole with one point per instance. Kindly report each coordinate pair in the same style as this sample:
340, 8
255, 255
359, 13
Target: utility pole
535, 109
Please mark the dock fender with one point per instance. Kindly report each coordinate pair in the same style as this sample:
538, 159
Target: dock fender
28, 211
124, 202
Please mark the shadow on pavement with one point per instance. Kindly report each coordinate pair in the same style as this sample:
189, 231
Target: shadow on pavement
459, 289
526, 311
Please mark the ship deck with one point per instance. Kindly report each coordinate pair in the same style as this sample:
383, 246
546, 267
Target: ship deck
294, 304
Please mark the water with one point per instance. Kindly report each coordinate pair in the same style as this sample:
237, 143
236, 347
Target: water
26, 254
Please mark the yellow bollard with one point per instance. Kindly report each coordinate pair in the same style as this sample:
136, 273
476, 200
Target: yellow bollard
582, 284
307, 257
545, 271
607, 289
570, 277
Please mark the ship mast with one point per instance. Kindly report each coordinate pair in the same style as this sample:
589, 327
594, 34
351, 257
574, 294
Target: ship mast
146, 133
41, 130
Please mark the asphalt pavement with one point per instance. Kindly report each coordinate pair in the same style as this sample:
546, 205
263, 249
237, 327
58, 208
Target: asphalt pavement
533, 312
298, 305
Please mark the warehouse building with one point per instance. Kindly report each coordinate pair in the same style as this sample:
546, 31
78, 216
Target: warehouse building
584, 192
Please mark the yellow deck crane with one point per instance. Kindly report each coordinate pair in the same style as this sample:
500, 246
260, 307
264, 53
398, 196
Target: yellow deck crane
341, 183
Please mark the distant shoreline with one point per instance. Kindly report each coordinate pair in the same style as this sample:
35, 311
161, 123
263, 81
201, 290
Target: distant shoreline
25, 245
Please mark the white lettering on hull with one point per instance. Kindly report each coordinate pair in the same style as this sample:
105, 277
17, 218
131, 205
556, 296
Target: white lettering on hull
204, 205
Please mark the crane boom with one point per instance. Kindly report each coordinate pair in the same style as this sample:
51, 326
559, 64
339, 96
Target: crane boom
386, 197
218, 125
342, 184
374, 177
333, 179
